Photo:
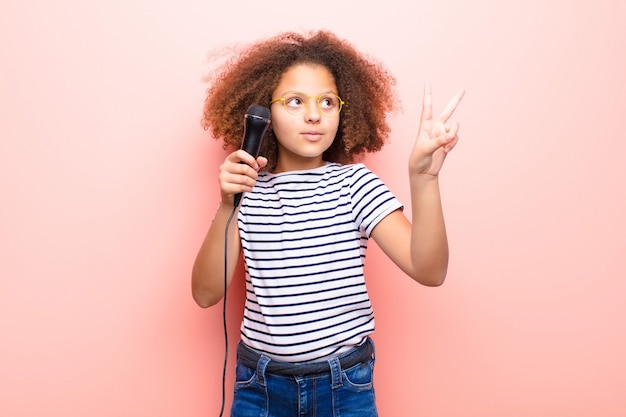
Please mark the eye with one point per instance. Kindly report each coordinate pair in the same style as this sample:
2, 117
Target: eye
294, 102
328, 102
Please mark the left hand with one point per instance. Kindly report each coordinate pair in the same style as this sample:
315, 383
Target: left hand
435, 137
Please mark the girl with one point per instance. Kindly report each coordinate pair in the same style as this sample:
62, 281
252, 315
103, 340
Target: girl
306, 216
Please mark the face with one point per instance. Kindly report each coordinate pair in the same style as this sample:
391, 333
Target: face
303, 138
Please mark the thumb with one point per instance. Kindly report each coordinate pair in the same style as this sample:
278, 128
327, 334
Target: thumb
261, 161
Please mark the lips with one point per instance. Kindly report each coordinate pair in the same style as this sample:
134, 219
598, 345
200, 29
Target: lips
312, 136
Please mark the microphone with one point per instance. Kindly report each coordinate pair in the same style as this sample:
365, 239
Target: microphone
256, 121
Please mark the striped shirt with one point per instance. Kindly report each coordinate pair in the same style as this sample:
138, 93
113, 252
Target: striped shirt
304, 237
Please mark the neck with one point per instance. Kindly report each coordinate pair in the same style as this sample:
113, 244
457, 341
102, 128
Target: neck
299, 165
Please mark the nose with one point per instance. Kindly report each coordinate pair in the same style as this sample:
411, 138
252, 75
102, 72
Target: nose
312, 112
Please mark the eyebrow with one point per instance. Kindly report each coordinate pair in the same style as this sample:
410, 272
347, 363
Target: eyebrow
308, 95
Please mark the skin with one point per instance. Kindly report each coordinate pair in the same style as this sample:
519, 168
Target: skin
420, 248
303, 139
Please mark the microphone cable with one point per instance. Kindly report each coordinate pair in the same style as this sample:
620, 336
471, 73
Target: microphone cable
256, 121
224, 309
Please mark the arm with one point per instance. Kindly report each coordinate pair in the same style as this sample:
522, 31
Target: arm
420, 248
207, 277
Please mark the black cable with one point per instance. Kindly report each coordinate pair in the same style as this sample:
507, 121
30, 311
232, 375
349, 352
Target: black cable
224, 309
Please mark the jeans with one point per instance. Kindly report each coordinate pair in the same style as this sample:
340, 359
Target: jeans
338, 393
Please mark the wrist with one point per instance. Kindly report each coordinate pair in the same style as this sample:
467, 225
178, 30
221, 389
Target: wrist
424, 186
223, 209
423, 178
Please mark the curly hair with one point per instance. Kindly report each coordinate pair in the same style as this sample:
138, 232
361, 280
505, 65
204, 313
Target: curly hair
251, 78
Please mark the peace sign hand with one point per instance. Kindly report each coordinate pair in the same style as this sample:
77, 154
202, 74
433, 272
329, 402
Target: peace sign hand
435, 137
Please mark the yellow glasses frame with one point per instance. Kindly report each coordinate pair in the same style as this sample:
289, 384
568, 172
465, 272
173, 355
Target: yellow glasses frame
318, 100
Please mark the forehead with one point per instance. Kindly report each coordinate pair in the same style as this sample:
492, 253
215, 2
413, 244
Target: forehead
310, 79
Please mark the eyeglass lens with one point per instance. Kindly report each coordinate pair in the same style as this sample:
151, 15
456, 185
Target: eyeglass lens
296, 103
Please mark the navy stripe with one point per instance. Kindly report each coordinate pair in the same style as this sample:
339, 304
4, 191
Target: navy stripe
304, 238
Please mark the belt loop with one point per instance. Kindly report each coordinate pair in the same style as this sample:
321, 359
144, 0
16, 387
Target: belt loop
335, 372
373, 347
260, 369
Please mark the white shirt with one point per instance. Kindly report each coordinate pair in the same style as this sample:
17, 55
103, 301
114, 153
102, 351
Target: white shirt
304, 236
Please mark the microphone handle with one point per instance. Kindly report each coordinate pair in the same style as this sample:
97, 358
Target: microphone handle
255, 127
237, 199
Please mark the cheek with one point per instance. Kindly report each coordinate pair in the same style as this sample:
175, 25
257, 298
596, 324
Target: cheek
279, 131
283, 128
336, 128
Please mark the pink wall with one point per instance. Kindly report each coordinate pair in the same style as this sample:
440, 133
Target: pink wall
108, 186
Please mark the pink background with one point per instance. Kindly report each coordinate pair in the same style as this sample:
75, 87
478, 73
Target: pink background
108, 185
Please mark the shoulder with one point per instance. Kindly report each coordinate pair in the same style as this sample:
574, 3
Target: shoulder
349, 171
361, 175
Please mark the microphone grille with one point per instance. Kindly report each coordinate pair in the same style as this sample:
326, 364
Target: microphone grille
259, 111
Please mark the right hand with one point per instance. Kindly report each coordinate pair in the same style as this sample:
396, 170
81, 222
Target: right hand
237, 177
436, 136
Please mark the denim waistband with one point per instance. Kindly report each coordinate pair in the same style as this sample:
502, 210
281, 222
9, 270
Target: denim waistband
250, 358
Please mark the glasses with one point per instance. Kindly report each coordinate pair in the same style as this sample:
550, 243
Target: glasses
329, 104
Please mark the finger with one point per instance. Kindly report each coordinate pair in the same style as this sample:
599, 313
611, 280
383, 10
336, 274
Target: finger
451, 145
453, 129
431, 146
243, 156
262, 162
246, 173
246, 182
237, 172
232, 183
427, 104
452, 105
